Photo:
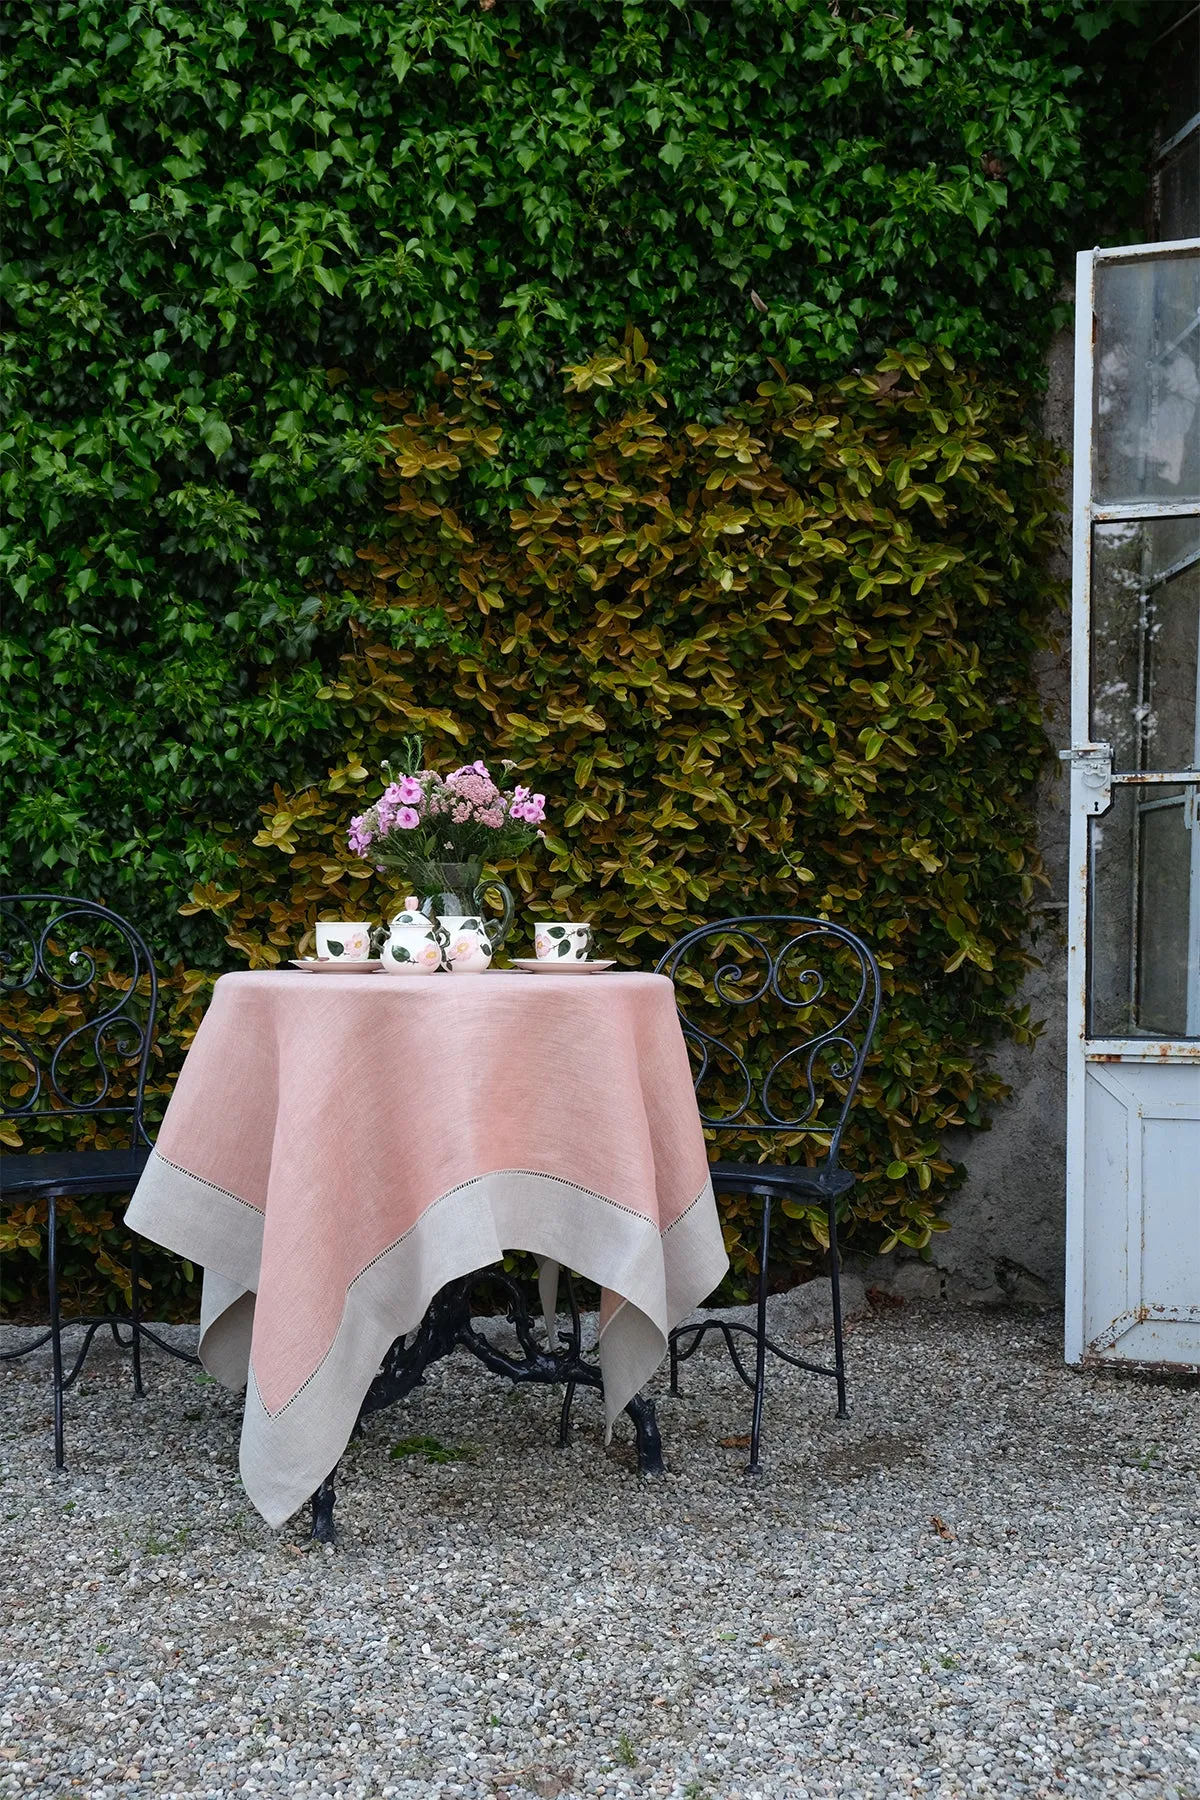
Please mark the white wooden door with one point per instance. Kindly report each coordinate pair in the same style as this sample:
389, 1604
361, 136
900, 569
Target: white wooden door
1133, 1127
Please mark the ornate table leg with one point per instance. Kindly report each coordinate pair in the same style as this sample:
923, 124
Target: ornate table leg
645, 1424
649, 1443
447, 1326
322, 1510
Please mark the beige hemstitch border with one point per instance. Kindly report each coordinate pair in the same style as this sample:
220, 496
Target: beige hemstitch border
285, 1454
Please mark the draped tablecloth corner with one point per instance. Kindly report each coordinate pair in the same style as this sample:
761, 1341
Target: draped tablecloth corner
335, 1152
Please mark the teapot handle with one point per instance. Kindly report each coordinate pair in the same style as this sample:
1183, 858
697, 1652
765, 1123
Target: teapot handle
496, 929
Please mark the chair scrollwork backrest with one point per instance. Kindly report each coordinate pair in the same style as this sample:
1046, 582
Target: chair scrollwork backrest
778, 1013
78, 997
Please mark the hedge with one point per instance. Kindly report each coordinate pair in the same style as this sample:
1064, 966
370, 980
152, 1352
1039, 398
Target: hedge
776, 662
229, 225
230, 228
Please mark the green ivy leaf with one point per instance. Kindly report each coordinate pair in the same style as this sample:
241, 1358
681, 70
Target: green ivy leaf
217, 436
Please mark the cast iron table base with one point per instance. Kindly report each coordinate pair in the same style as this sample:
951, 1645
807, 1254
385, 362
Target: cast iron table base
446, 1327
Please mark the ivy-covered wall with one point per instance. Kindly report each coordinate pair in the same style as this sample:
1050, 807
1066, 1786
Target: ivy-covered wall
774, 663
237, 233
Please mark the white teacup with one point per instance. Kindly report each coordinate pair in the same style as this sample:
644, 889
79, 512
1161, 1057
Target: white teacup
337, 942
563, 941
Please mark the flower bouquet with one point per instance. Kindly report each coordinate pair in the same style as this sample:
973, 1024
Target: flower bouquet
438, 830
423, 821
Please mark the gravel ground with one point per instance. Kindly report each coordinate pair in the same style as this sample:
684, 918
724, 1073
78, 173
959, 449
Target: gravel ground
985, 1582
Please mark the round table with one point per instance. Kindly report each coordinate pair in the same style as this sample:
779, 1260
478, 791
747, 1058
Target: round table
340, 1149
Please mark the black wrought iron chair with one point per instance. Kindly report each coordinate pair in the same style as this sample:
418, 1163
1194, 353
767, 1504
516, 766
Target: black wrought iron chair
825, 979
88, 962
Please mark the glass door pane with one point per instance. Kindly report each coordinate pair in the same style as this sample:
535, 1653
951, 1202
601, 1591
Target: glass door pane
1146, 643
1147, 380
1144, 915
1178, 183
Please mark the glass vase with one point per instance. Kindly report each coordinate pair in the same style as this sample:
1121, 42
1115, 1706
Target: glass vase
455, 891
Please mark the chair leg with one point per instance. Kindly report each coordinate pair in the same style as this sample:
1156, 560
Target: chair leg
55, 1328
835, 1288
135, 1319
674, 1354
564, 1420
754, 1467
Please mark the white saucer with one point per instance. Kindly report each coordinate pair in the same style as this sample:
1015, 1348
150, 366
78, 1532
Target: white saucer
533, 965
342, 965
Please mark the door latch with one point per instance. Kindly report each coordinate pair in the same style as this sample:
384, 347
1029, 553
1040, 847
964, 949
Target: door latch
1091, 764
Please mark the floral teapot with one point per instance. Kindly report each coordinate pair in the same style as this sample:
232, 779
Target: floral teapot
415, 944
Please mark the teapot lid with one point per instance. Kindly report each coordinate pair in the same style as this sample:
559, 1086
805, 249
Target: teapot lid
412, 916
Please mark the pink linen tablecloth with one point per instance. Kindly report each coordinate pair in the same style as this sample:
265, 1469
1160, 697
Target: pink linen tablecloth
339, 1147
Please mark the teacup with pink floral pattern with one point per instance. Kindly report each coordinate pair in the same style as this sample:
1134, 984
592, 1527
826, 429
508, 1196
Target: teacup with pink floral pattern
563, 941
338, 942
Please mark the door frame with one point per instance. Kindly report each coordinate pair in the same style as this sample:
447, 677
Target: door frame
1092, 780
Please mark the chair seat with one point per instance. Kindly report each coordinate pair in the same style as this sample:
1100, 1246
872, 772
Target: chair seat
821, 1183
72, 1172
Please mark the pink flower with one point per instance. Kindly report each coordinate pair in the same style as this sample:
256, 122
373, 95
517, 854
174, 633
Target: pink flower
407, 818
531, 811
473, 776
360, 836
467, 796
409, 790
